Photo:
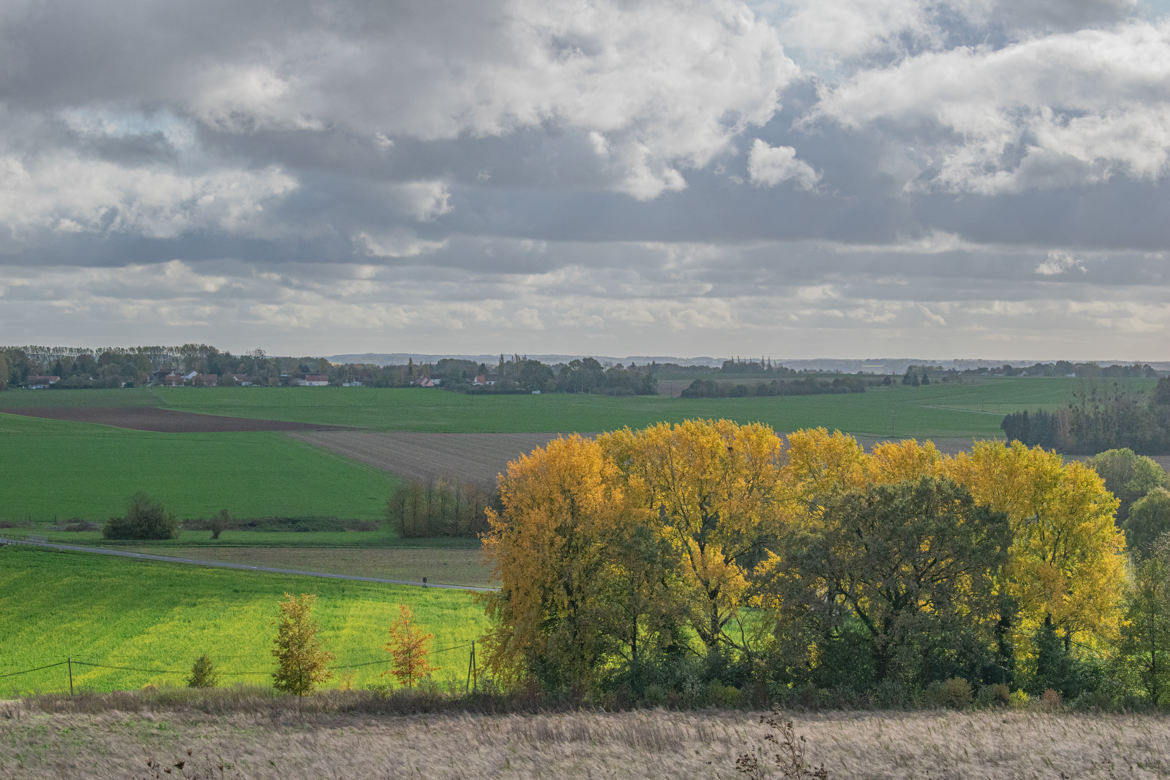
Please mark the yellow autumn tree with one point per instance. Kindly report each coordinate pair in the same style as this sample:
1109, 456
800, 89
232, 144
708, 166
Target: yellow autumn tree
1066, 562
713, 490
548, 548
900, 461
408, 647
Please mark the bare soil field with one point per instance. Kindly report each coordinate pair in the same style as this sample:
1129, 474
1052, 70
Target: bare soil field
285, 741
468, 457
149, 418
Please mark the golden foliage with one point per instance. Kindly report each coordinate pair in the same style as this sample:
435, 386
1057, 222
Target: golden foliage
408, 648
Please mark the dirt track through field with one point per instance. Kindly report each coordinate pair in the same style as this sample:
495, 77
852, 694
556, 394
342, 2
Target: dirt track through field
149, 418
468, 457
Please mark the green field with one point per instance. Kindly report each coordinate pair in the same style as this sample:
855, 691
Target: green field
973, 407
968, 409
54, 470
156, 616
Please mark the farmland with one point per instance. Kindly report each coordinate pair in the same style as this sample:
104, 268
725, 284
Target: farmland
156, 616
968, 409
56, 470
973, 409
469, 457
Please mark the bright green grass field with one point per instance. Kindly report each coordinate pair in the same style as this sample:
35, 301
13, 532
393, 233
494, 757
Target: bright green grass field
51, 469
148, 616
970, 409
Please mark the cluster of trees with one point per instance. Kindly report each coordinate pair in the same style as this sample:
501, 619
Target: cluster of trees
133, 366
302, 662
440, 507
806, 385
716, 554
1092, 423
525, 375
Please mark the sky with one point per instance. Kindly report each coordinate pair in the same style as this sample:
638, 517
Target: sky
789, 178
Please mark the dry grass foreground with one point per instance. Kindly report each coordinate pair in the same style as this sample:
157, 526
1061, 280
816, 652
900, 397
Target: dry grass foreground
279, 742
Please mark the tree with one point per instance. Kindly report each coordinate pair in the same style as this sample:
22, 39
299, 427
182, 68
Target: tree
1066, 562
1148, 519
908, 570
713, 489
1128, 476
203, 673
301, 662
1145, 638
408, 647
145, 518
219, 522
546, 546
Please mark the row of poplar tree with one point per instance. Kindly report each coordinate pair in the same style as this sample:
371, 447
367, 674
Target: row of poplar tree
713, 553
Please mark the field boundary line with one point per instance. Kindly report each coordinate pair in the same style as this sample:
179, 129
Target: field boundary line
237, 566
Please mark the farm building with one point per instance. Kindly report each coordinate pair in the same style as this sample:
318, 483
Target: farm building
312, 380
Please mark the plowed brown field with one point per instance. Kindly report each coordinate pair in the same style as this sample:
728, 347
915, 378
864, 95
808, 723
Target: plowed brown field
149, 418
467, 457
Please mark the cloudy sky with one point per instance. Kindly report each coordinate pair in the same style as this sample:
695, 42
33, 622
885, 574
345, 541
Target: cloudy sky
793, 178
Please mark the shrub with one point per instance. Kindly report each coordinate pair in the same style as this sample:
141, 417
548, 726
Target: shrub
954, 693
1051, 699
892, 694
203, 673
219, 523
782, 749
717, 694
995, 695
1019, 699
145, 518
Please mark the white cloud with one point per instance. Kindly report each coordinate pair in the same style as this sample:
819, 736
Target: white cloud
70, 194
1058, 262
1061, 110
769, 166
659, 86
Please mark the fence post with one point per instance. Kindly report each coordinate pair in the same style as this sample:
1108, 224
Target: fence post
474, 674
69, 661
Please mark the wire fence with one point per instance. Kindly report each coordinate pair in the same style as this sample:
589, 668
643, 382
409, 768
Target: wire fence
70, 662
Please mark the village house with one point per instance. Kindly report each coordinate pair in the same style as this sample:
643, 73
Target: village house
41, 382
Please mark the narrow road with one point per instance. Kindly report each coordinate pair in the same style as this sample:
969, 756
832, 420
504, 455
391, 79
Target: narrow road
240, 566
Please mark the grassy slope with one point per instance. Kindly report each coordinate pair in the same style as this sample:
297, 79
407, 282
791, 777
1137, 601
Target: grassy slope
154, 615
951, 410
54, 469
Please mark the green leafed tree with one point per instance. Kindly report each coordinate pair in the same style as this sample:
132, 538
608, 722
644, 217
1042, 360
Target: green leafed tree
1145, 634
903, 573
203, 673
1128, 476
302, 664
1148, 519
145, 518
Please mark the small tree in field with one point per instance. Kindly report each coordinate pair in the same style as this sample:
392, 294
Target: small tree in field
408, 647
219, 523
203, 673
301, 663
